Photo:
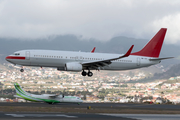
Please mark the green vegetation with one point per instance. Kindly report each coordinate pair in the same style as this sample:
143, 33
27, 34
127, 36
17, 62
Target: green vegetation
7, 96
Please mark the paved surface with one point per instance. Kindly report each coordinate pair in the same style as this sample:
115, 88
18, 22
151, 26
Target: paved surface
147, 116
82, 116
98, 105
60, 116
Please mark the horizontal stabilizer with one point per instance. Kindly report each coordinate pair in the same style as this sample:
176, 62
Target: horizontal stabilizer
157, 59
17, 96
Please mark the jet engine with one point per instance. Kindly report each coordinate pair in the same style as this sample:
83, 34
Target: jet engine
73, 67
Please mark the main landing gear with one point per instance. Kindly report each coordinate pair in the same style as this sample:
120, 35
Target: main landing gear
89, 73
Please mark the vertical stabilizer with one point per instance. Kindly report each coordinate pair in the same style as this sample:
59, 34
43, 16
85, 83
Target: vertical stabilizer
153, 47
19, 89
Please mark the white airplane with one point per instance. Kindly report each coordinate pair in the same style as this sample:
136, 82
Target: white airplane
48, 98
81, 61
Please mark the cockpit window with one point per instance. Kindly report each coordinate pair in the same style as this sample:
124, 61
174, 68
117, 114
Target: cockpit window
16, 53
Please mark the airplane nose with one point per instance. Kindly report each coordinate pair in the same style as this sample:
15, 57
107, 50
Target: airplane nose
7, 58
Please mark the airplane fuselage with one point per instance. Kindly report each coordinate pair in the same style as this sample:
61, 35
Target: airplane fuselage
46, 98
58, 59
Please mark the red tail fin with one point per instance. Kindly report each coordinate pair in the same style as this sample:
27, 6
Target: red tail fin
153, 47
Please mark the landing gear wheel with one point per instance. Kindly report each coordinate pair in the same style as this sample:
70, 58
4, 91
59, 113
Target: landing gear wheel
51, 103
90, 74
83, 73
22, 70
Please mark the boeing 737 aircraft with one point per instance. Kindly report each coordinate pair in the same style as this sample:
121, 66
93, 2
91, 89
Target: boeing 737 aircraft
48, 98
81, 61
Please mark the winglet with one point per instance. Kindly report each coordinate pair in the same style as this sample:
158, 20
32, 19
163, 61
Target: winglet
93, 50
128, 52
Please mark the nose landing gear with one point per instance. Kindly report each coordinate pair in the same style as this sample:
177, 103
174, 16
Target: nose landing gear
22, 70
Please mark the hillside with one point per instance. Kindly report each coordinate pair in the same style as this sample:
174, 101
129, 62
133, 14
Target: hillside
172, 72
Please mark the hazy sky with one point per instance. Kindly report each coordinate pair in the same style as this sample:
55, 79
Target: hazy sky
99, 19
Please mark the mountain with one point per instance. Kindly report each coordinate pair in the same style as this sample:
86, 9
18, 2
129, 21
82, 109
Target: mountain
172, 72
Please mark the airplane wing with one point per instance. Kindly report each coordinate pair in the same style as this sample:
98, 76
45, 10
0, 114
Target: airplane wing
102, 63
54, 96
17, 96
